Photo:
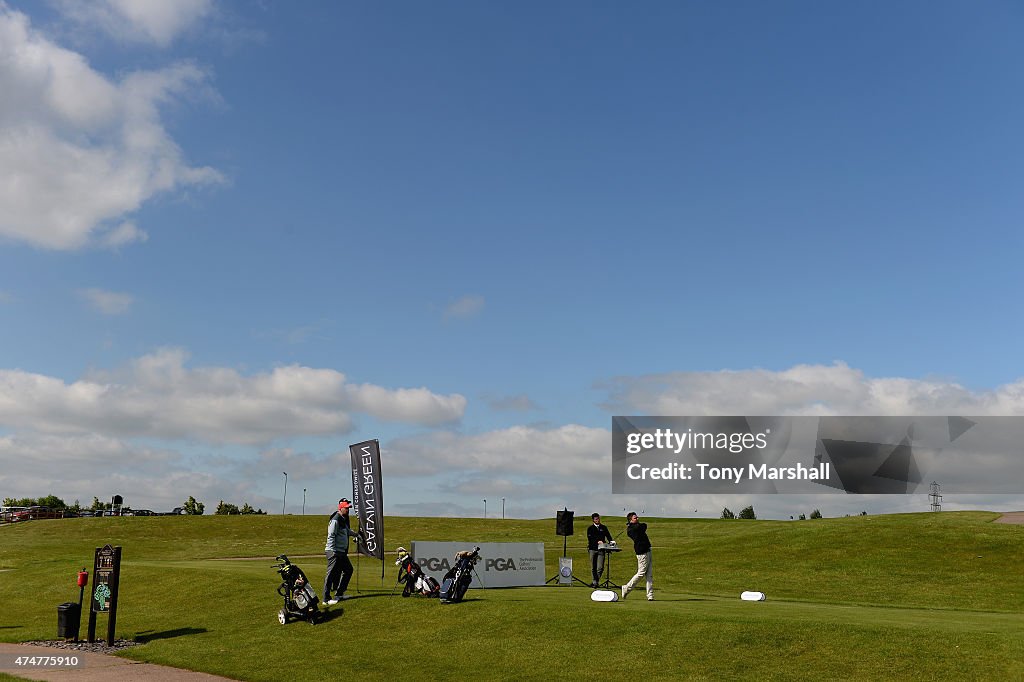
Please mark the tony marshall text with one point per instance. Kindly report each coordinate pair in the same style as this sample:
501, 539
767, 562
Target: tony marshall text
706, 472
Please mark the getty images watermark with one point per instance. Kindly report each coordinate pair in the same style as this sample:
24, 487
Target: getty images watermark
896, 455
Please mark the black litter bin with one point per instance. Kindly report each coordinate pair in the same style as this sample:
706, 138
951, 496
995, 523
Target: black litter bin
69, 619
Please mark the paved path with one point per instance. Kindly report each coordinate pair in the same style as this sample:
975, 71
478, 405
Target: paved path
1011, 517
94, 667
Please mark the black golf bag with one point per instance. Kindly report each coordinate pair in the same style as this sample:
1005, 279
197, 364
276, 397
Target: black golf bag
300, 600
457, 580
416, 581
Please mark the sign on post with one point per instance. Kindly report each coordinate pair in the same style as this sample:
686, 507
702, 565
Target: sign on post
106, 578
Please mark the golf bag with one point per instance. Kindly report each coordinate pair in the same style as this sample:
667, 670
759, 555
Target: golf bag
457, 580
416, 581
300, 600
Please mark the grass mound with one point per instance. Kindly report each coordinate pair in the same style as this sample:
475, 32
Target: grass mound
913, 596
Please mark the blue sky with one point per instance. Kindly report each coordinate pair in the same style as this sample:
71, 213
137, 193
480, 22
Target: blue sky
537, 215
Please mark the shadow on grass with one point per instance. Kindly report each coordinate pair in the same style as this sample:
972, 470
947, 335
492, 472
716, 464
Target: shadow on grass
149, 636
398, 597
10, 627
642, 598
328, 615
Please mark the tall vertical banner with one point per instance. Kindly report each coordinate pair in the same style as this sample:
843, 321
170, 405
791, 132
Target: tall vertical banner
367, 496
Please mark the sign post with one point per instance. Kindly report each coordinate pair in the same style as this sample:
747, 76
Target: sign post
106, 577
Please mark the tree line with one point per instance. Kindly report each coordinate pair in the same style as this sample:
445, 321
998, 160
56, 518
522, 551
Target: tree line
55, 503
193, 508
189, 507
745, 513
748, 513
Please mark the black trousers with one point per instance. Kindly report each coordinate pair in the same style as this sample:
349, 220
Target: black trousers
339, 572
596, 564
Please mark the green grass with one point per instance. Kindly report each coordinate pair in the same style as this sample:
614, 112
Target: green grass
913, 596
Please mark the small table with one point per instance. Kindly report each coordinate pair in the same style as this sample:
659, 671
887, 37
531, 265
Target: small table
608, 551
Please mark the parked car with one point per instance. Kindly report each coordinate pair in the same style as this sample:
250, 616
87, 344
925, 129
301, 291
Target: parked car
8, 514
177, 511
37, 512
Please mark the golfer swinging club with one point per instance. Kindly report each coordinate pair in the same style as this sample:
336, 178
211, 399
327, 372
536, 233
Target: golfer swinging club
642, 546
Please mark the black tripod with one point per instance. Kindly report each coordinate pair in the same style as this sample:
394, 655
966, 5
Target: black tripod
607, 568
555, 577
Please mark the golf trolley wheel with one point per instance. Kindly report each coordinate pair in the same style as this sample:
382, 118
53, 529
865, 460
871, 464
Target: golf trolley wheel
282, 617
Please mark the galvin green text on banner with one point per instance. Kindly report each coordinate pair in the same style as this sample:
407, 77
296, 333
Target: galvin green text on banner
367, 496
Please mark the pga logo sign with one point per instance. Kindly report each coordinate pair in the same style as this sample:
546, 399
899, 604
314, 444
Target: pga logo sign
429, 564
502, 564
439, 564
499, 564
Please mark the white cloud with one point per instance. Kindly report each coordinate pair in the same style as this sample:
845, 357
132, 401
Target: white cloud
539, 470
71, 428
572, 453
804, 389
81, 151
107, 302
299, 465
444, 509
158, 22
125, 233
467, 306
157, 395
74, 456
542, 469
6, 297
838, 389
411, 405
82, 466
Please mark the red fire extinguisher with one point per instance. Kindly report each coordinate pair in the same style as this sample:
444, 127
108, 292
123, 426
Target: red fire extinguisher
83, 580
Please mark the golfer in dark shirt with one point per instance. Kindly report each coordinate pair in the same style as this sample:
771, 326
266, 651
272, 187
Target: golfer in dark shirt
642, 546
595, 534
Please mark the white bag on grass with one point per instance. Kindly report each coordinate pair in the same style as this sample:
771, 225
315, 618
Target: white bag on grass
604, 595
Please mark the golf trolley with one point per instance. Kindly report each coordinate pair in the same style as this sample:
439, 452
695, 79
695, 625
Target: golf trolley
300, 601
